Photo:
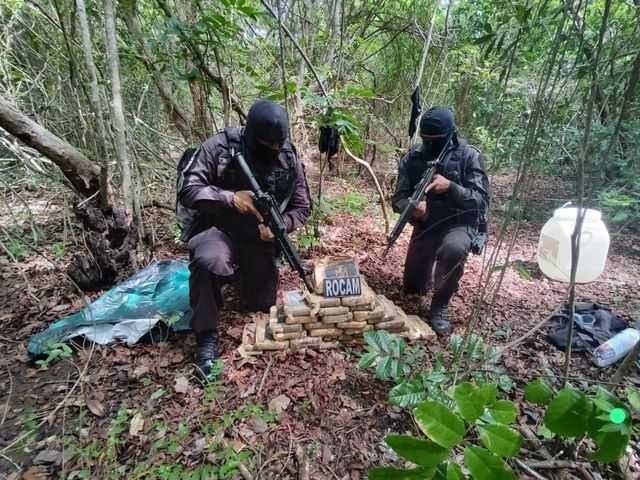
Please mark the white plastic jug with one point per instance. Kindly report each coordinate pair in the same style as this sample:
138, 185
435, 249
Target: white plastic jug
554, 246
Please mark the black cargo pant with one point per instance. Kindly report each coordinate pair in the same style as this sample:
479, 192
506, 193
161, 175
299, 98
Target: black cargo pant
447, 249
214, 259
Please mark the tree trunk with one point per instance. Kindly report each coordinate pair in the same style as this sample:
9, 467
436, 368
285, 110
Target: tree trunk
177, 115
116, 105
81, 173
628, 96
96, 106
219, 82
109, 236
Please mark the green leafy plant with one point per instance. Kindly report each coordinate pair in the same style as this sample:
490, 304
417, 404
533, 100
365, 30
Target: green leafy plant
309, 236
353, 202
387, 353
54, 352
115, 434
473, 419
601, 416
58, 249
619, 207
414, 387
16, 249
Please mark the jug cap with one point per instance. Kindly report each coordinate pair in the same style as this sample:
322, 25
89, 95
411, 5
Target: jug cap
571, 213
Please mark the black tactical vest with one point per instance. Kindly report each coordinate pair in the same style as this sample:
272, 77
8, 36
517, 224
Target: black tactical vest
279, 182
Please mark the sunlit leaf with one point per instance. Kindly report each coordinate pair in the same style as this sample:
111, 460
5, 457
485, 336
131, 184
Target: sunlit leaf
500, 439
421, 452
538, 392
484, 465
439, 423
568, 413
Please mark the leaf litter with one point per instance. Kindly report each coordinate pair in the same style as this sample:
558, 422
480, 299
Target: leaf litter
335, 412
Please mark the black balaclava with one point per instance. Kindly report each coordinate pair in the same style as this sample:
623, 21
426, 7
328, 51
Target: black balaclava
436, 121
266, 121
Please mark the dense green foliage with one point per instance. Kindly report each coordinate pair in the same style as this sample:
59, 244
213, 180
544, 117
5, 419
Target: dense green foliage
518, 75
457, 415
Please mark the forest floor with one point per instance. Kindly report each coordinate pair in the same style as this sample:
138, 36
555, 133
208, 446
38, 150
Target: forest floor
122, 411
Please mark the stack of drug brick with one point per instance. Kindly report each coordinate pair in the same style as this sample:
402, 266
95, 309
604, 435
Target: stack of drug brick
311, 320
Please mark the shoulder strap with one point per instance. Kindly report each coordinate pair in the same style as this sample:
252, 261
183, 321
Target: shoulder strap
291, 160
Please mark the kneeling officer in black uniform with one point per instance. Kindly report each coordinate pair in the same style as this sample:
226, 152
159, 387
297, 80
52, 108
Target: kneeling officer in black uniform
446, 222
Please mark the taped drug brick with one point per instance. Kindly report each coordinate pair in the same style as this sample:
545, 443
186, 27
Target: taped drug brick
364, 308
285, 327
390, 311
261, 330
289, 336
352, 325
376, 314
272, 345
325, 332
315, 325
300, 320
365, 298
337, 318
357, 331
318, 301
298, 311
298, 343
396, 324
417, 329
331, 311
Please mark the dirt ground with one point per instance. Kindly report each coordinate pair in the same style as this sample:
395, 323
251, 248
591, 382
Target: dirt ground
111, 409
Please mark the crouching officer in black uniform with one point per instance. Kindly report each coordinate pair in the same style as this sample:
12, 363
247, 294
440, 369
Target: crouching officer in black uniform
446, 222
225, 232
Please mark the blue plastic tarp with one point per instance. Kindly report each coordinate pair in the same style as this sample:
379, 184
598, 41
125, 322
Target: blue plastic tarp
160, 292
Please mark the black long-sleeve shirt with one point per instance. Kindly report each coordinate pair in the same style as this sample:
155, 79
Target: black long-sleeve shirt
468, 194
211, 178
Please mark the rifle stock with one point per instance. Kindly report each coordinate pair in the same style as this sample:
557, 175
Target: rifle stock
268, 208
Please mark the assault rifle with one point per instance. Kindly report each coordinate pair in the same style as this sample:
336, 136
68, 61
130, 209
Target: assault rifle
268, 208
417, 197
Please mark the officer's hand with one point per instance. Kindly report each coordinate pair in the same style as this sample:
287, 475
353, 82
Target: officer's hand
243, 202
266, 235
439, 184
420, 211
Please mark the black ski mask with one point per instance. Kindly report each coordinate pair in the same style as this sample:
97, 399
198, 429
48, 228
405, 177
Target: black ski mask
267, 125
436, 121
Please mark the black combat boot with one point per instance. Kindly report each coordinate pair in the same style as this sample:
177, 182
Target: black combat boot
206, 354
439, 319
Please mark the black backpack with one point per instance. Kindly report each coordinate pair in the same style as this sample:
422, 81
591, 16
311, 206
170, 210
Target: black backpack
184, 216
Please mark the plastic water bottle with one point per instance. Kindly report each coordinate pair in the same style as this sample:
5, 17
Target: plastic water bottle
616, 347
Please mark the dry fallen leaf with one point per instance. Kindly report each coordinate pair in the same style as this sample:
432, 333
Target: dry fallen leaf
258, 425
140, 371
136, 425
181, 384
95, 406
36, 473
279, 404
237, 445
177, 357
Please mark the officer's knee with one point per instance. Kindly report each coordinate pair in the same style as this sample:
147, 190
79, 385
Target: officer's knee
215, 262
453, 252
